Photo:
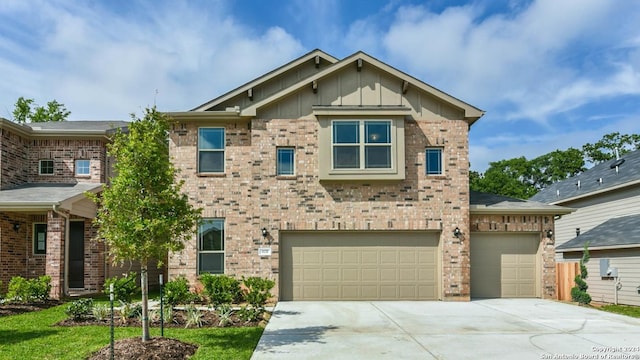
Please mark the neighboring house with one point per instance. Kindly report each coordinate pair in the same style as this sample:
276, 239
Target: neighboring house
45, 218
348, 179
607, 199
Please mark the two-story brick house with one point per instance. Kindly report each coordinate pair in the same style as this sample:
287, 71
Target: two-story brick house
348, 179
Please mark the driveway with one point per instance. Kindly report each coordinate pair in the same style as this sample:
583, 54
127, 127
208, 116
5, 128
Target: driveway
483, 329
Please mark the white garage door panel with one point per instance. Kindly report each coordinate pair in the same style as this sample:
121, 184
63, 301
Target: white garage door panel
359, 266
504, 265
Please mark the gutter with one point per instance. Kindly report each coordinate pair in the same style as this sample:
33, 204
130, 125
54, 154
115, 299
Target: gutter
597, 192
609, 247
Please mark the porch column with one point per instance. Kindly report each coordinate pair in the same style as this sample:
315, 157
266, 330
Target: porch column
55, 253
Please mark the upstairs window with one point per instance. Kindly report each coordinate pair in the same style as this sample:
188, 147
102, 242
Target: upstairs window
45, 167
40, 239
434, 161
211, 246
361, 144
285, 161
211, 150
83, 167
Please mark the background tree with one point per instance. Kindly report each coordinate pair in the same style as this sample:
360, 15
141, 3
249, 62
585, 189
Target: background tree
142, 214
54, 111
605, 148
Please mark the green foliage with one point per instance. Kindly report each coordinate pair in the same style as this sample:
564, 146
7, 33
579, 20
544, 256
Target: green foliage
80, 309
605, 148
194, 316
23, 290
257, 291
100, 311
224, 313
248, 314
177, 291
633, 311
129, 311
220, 289
54, 111
579, 292
124, 288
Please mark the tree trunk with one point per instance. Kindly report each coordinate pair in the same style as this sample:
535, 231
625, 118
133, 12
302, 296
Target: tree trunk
144, 285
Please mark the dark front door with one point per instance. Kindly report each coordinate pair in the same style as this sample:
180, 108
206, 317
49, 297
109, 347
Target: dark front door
76, 254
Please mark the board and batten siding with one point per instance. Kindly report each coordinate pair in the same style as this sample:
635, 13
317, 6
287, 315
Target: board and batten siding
601, 289
592, 212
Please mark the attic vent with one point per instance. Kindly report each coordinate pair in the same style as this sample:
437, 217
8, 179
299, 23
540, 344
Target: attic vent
616, 163
599, 181
558, 193
578, 184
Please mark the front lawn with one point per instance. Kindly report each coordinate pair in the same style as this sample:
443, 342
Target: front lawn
33, 336
633, 311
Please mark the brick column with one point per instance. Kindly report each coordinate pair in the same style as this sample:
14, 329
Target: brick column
55, 253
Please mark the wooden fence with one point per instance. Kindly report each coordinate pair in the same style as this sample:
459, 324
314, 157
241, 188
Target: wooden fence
565, 275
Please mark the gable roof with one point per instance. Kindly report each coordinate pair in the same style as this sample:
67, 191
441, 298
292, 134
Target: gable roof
485, 203
470, 113
621, 232
44, 196
600, 178
71, 128
317, 53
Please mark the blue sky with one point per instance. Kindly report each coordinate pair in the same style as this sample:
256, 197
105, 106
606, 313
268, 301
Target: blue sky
550, 74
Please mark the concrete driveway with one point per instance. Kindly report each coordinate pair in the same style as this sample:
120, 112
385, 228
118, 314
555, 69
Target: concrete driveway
483, 329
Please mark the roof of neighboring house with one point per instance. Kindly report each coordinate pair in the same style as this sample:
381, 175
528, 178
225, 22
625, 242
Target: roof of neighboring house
75, 128
485, 203
36, 196
600, 178
615, 233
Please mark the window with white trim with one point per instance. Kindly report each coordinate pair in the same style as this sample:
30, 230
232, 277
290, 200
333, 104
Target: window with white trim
211, 246
433, 161
39, 238
361, 144
83, 167
285, 160
211, 150
45, 167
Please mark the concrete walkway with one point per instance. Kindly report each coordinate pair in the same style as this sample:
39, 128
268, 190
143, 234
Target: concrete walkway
483, 329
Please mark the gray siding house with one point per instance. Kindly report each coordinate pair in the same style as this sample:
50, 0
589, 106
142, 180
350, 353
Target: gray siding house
607, 218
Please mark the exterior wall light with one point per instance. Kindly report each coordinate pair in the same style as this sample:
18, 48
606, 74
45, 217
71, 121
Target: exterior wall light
577, 232
16, 227
265, 233
457, 232
549, 233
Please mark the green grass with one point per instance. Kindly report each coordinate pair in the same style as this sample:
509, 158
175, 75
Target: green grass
33, 336
633, 311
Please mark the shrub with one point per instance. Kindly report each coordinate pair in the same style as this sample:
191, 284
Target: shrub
220, 289
23, 290
257, 291
177, 292
80, 309
129, 310
247, 313
579, 292
194, 316
101, 311
224, 313
124, 288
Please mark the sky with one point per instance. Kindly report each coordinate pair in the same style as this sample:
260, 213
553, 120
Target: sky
550, 74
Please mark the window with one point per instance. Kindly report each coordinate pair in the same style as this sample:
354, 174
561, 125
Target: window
45, 167
39, 238
211, 150
211, 246
82, 167
285, 161
361, 144
434, 161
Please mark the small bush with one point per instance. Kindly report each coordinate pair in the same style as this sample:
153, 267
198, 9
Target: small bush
248, 314
258, 291
23, 290
220, 289
194, 316
124, 288
80, 309
101, 311
224, 312
177, 292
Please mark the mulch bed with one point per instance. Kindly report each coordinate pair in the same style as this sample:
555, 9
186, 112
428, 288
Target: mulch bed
15, 309
155, 348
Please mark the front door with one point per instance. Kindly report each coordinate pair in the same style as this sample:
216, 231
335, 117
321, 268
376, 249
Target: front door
76, 254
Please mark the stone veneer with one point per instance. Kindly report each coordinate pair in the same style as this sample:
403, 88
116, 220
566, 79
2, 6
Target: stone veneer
249, 196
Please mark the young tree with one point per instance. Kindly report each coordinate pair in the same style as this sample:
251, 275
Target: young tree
579, 292
54, 111
142, 213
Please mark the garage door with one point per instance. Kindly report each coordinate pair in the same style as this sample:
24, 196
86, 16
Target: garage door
359, 266
504, 265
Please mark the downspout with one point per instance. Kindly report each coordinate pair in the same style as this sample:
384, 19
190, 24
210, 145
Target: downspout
66, 248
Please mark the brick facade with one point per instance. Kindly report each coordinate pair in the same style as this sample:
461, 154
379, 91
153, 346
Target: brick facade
249, 195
